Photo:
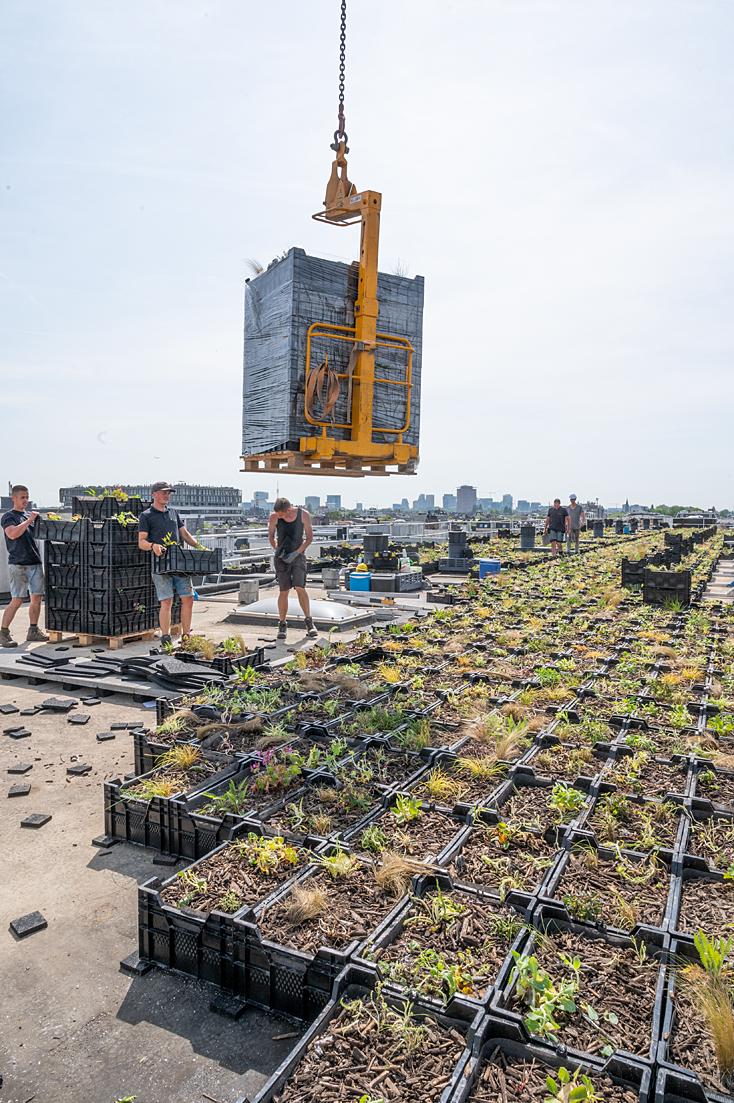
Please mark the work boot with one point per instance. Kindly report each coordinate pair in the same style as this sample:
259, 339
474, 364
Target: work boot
6, 640
166, 642
35, 635
311, 631
282, 630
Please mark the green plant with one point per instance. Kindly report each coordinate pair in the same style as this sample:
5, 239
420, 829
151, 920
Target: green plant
585, 907
235, 798
245, 676
373, 838
713, 953
266, 854
436, 910
230, 902
545, 999
565, 800
570, 1089
194, 885
337, 865
406, 809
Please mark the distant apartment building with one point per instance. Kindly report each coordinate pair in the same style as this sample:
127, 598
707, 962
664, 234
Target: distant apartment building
333, 502
195, 503
523, 506
449, 503
466, 499
424, 503
312, 503
534, 507
507, 502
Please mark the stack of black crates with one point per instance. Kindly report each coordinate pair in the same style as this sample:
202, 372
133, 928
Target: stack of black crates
98, 582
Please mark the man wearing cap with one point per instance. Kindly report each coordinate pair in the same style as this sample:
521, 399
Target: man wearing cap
576, 519
159, 527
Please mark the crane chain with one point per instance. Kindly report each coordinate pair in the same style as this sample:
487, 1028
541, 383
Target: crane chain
340, 134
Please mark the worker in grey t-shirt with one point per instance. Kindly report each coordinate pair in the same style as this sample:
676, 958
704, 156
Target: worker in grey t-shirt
576, 519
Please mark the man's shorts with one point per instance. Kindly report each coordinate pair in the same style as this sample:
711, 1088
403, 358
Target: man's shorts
556, 536
168, 585
292, 574
24, 579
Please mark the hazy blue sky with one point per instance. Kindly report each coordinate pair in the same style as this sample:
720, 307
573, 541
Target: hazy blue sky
560, 171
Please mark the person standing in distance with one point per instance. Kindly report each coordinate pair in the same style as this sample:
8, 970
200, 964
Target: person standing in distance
290, 533
158, 527
576, 521
24, 567
556, 525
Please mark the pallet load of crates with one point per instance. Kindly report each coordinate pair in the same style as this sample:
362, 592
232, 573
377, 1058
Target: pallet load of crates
98, 582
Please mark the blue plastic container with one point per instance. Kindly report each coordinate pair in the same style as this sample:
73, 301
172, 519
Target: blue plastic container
360, 581
489, 566
626, 530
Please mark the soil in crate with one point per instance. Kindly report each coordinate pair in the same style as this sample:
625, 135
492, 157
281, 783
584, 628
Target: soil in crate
634, 825
613, 890
331, 910
241, 873
168, 780
536, 806
608, 982
706, 905
496, 858
323, 809
390, 767
565, 762
463, 779
451, 941
691, 1045
410, 830
503, 1079
716, 787
645, 776
376, 1049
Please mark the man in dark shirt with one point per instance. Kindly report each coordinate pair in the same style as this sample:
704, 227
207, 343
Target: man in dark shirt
24, 567
556, 525
158, 528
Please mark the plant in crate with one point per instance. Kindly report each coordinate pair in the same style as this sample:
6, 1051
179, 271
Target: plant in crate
708, 983
576, 1088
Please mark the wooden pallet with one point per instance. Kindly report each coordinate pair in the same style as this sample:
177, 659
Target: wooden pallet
113, 643
298, 463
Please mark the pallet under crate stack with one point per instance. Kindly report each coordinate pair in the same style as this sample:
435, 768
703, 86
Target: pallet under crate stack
98, 582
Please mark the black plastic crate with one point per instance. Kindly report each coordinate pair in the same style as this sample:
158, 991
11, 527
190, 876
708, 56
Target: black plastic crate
64, 597
354, 982
147, 751
193, 561
226, 664
113, 577
119, 624
633, 572
394, 925
114, 555
198, 944
63, 554
63, 620
111, 531
96, 508
64, 575
660, 587
163, 823
119, 600
546, 921
65, 532
500, 1041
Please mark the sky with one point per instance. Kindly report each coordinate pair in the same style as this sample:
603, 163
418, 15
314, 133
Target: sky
561, 172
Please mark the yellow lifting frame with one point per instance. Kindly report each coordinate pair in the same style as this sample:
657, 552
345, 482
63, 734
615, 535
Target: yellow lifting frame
383, 340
